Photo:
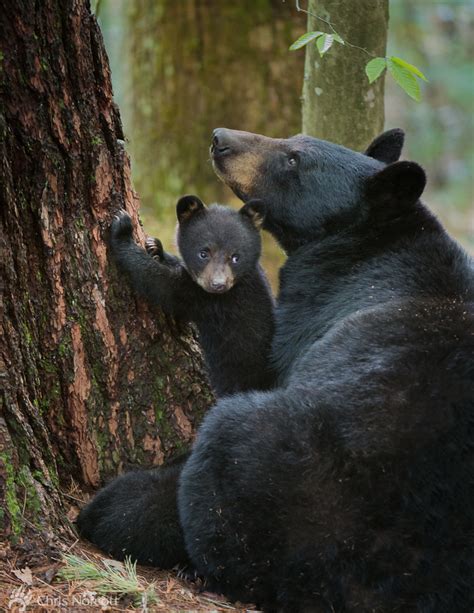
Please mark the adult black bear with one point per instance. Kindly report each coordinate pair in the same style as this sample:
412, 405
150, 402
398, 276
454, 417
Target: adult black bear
350, 487
219, 285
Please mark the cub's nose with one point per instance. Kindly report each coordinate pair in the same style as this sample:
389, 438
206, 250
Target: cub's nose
221, 141
218, 287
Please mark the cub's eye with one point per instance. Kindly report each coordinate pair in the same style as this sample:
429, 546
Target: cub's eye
203, 254
292, 160
235, 258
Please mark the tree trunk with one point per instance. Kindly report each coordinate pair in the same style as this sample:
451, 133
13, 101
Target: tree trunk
92, 380
228, 62
339, 104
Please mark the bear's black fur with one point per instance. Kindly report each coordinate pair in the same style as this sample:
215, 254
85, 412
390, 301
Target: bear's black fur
122, 518
219, 285
350, 487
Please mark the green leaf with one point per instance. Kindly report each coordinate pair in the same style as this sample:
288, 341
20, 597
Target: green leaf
338, 38
375, 68
324, 43
304, 40
406, 80
416, 71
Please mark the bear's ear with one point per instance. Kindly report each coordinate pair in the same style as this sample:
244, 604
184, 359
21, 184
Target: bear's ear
387, 147
400, 184
255, 211
188, 206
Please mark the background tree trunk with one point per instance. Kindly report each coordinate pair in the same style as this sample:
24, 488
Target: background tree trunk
92, 380
339, 104
191, 54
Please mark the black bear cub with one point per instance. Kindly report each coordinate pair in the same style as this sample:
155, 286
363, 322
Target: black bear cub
219, 285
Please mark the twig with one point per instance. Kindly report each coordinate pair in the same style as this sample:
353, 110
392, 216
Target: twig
72, 546
72, 497
49, 585
327, 22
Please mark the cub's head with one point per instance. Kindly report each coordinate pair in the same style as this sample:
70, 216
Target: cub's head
311, 186
218, 244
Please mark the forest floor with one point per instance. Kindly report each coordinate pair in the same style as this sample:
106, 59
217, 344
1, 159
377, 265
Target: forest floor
67, 574
106, 586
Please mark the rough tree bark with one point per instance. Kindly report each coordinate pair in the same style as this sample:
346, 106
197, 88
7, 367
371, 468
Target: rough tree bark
92, 381
338, 102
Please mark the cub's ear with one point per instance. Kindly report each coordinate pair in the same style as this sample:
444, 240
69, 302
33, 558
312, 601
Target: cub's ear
399, 185
188, 206
255, 211
387, 147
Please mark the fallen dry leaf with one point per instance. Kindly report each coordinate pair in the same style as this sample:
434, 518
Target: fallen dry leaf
24, 574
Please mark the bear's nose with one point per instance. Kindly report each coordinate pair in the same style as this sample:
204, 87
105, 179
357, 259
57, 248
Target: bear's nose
218, 286
220, 141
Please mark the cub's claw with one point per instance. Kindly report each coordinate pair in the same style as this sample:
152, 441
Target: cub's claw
121, 228
154, 247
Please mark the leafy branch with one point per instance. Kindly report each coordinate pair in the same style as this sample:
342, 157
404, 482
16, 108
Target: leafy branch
404, 74
333, 29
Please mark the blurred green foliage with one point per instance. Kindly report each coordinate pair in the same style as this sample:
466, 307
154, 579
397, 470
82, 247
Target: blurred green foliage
181, 68
439, 38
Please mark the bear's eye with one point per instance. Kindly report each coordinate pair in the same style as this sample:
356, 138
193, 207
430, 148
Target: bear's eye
203, 254
292, 160
235, 258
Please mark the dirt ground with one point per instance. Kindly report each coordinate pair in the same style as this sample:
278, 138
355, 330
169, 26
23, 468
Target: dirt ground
31, 579
28, 587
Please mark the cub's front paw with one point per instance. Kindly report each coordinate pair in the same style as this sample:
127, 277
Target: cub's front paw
154, 248
121, 228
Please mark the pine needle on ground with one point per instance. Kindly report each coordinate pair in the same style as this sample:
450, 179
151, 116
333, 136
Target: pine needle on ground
109, 577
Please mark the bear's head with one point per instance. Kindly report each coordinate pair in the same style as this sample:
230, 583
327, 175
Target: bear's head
311, 187
219, 245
